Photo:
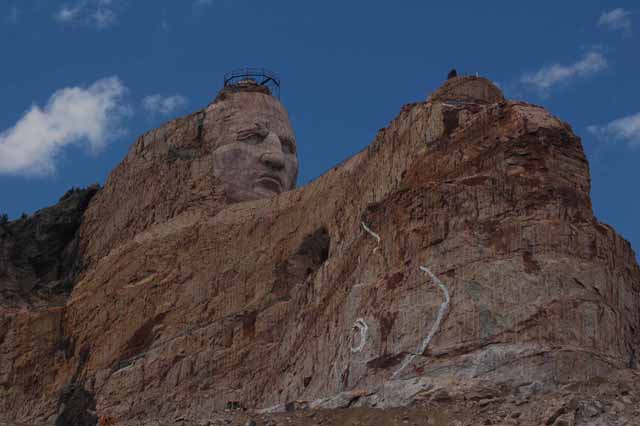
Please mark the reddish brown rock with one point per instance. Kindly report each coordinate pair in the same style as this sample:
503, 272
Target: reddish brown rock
457, 255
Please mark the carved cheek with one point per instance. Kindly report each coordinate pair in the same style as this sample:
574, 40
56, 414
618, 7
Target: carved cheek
236, 161
292, 172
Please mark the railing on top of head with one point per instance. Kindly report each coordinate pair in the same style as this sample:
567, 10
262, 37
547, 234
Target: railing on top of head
261, 76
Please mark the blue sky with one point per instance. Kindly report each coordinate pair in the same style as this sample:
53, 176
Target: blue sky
80, 80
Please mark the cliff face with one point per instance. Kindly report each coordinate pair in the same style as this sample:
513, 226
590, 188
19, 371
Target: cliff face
38, 254
188, 167
457, 253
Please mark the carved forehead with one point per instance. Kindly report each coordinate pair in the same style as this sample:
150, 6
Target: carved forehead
248, 109
241, 111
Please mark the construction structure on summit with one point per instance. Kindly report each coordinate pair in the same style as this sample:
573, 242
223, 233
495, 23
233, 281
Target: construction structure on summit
253, 77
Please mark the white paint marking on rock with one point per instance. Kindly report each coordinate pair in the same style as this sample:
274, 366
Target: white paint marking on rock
362, 327
436, 326
373, 234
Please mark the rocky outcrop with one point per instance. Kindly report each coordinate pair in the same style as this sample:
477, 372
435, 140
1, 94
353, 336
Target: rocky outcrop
466, 89
39, 253
457, 255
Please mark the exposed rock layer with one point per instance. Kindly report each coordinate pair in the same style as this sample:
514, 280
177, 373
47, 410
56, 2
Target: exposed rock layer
189, 305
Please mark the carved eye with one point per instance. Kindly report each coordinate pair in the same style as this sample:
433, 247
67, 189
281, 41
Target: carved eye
251, 136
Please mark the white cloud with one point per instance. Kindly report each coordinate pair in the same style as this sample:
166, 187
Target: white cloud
165, 105
12, 17
551, 75
625, 129
103, 17
73, 116
97, 13
616, 19
68, 13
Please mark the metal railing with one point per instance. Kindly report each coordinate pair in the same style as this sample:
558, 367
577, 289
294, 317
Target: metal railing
261, 76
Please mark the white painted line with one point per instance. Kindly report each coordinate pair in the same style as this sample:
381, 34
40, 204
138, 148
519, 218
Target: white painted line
436, 326
373, 234
362, 327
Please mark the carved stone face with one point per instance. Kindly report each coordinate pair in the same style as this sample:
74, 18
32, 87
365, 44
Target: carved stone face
255, 155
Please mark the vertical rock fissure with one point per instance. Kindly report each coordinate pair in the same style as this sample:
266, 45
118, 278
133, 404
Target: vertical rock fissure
77, 405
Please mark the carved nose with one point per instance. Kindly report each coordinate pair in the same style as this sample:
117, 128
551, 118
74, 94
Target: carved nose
272, 160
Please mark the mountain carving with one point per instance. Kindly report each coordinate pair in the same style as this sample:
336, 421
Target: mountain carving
455, 262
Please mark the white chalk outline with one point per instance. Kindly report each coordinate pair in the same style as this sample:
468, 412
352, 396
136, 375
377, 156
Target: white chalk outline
373, 234
362, 326
436, 326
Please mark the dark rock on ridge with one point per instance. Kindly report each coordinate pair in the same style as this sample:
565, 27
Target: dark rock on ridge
39, 253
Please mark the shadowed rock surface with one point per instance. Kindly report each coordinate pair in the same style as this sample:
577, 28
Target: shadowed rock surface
192, 303
39, 253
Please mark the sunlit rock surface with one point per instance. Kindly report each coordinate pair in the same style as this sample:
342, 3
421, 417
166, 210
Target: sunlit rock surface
190, 303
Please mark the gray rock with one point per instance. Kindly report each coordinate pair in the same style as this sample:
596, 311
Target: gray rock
39, 253
590, 409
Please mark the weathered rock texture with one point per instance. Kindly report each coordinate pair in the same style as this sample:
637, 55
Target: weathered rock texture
467, 89
188, 304
38, 254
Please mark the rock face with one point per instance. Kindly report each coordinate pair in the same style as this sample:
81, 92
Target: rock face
38, 254
194, 165
477, 90
457, 255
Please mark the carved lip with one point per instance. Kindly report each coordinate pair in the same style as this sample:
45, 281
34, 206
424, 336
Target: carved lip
270, 181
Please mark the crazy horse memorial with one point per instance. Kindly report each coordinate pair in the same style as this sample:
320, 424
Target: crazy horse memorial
454, 268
